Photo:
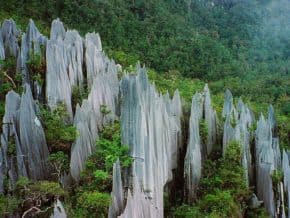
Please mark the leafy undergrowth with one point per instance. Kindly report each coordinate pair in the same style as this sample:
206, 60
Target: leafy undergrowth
170, 81
91, 198
60, 134
223, 191
29, 198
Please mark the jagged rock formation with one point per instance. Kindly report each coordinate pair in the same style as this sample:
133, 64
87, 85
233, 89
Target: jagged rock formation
23, 147
193, 158
58, 210
198, 149
94, 57
238, 127
89, 117
31, 44
286, 173
268, 159
58, 88
150, 125
10, 35
210, 120
2, 51
117, 205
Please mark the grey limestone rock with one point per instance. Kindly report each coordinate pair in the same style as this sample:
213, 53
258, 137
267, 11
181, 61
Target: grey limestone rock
10, 35
117, 205
58, 210
89, 118
31, 44
193, 158
210, 119
2, 51
22, 129
150, 125
268, 159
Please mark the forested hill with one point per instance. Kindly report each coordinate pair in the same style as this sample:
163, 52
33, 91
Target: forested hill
241, 44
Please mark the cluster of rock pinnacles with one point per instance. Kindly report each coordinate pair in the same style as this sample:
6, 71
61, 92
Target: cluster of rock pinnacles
151, 124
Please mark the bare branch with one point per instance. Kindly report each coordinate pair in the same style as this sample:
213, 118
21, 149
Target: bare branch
11, 80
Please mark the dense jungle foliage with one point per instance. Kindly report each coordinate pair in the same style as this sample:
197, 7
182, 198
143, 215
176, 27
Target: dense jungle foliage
241, 45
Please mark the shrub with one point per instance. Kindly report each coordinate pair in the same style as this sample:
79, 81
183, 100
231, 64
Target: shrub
78, 94
11, 149
110, 147
22, 183
277, 176
187, 211
8, 205
94, 203
60, 162
98, 171
104, 109
44, 189
39, 195
37, 66
203, 130
223, 191
220, 202
233, 153
59, 134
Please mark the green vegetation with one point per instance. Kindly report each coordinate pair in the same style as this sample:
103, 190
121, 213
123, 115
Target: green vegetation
59, 134
174, 80
203, 130
97, 203
11, 149
228, 44
9, 79
78, 94
8, 204
223, 191
277, 176
104, 109
92, 196
37, 66
26, 195
60, 163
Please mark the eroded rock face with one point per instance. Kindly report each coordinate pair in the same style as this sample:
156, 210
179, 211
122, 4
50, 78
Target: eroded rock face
2, 51
90, 117
23, 147
58, 88
193, 158
64, 55
117, 195
286, 180
150, 125
31, 44
199, 148
58, 210
268, 159
32, 137
210, 120
10, 34
94, 57
238, 127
